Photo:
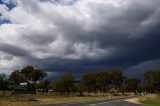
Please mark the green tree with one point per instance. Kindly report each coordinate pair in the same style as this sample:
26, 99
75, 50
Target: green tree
153, 79
117, 78
142, 87
28, 73
16, 77
33, 74
66, 83
132, 84
3, 83
58, 86
89, 81
103, 81
80, 88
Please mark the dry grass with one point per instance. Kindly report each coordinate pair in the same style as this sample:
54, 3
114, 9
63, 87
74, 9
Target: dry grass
26, 100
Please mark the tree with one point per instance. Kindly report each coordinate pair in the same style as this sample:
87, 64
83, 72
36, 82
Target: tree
17, 77
58, 86
3, 83
117, 78
89, 81
153, 79
142, 87
80, 88
33, 74
66, 83
103, 81
28, 73
132, 84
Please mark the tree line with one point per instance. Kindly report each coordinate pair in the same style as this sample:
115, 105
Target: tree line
28, 74
112, 81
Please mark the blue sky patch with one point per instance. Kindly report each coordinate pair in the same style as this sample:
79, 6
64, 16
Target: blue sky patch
10, 5
4, 21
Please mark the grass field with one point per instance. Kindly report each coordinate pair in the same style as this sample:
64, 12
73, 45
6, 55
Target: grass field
151, 100
25, 100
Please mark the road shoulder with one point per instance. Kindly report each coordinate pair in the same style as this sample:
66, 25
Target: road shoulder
134, 100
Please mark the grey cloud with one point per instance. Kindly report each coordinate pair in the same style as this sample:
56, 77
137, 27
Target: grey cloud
5, 56
36, 38
113, 36
139, 69
14, 50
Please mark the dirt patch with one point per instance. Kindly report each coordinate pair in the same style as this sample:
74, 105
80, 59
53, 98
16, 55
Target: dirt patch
133, 100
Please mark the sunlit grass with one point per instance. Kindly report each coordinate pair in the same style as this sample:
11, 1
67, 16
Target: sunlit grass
152, 100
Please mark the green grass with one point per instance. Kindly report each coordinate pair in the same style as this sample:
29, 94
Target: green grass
153, 100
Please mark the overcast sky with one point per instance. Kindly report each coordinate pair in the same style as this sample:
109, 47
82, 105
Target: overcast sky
80, 35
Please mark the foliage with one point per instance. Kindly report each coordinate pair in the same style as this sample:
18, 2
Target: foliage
90, 81
3, 82
103, 81
153, 79
117, 78
132, 84
151, 101
80, 88
17, 77
65, 84
33, 74
28, 73
142, 87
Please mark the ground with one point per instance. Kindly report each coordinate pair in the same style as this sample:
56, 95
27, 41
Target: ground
119, 102
39, 99
73, 100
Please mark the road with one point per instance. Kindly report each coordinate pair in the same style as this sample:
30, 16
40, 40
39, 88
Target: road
120, 102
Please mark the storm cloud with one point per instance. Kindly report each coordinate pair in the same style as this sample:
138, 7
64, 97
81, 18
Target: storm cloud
80, 35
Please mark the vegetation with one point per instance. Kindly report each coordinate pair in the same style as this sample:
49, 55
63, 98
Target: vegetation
65, 84
93, 84
153, 79
43, 85
28, 73
132, 84
151, 100
103, 81
3, 83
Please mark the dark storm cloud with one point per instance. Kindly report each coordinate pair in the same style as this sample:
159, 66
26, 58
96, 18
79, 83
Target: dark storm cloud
133, 43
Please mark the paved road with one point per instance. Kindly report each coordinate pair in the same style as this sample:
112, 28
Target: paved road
120, 102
